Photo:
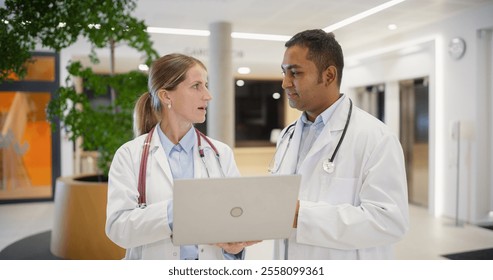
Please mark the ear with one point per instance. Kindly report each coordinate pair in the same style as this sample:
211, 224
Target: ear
330, 75
163, 96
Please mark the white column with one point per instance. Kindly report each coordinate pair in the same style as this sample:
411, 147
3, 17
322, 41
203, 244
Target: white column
221, 112
392, 109
482, 198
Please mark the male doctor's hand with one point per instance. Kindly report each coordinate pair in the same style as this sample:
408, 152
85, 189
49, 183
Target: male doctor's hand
235, 247
295, 221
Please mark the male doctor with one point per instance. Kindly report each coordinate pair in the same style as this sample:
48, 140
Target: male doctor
353, 196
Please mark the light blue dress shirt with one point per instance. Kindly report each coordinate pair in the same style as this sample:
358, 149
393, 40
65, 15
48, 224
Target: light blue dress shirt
180, 159
311, 130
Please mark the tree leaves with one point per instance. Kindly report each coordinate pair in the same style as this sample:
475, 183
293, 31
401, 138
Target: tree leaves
58, 24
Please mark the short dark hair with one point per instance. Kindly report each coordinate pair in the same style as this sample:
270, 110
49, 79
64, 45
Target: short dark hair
323, 50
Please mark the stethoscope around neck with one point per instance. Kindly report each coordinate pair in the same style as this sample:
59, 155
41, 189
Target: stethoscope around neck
328, 164
145, 155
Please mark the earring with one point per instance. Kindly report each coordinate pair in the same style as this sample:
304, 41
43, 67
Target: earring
169, 105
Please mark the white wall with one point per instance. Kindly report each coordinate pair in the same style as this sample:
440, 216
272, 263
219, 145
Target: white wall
454, 95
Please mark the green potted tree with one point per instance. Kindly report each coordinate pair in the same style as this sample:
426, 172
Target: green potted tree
25, 24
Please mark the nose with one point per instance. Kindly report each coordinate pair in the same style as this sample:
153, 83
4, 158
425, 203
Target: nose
207, 95
286, 81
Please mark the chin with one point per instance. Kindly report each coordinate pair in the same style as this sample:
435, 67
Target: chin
293, 104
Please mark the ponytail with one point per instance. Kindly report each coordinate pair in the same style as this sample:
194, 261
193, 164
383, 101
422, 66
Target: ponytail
145, 117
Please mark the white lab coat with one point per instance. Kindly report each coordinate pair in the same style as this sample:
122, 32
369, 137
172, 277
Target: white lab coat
359, 210
145, 233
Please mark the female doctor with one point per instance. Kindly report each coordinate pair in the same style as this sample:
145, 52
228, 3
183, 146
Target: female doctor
353, 195
166, 147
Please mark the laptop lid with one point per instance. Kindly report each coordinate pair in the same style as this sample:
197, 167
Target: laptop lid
234, 209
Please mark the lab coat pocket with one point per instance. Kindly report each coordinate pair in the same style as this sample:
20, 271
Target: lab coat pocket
338, 190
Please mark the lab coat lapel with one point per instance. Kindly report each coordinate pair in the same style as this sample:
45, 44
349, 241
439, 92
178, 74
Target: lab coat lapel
159, 157
197, 161
290, 161
331, 131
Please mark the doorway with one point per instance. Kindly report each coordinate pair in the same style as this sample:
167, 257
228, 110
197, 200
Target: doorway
414, 136
371, 98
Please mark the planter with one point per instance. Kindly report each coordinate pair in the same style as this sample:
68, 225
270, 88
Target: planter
80, 218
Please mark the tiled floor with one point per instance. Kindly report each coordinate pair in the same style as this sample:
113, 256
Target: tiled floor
428, 238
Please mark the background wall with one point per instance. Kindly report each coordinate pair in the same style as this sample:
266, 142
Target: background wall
460, 90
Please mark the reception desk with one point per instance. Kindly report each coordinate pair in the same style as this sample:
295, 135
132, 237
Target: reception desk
79, 222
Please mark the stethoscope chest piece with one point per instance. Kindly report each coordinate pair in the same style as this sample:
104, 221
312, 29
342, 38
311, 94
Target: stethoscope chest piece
328, 166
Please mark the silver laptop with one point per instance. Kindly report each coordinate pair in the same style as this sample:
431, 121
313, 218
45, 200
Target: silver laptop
216, 210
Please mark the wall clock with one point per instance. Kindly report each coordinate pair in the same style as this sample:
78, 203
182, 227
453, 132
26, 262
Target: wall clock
457, 48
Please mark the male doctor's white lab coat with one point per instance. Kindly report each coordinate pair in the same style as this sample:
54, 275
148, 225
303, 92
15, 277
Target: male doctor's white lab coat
145, 233
359, 210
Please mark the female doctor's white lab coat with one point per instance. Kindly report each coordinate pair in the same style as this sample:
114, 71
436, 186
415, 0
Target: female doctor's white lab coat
145, 233
359, 210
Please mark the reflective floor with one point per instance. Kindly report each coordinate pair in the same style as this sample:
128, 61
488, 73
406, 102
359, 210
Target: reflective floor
428, 239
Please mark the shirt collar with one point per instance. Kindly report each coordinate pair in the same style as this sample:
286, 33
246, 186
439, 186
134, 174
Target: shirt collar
325, 115
186, 143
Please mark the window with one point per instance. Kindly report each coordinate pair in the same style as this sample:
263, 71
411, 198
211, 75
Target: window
29, 149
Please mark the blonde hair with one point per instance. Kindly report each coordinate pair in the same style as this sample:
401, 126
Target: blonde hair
166, 73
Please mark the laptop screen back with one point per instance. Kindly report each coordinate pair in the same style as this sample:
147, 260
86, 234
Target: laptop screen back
235, 209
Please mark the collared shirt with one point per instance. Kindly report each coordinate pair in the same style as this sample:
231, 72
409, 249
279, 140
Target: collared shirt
311, 130
180, 159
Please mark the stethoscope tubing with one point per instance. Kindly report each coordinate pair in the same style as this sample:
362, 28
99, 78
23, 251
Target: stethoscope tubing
145, 155
202, 154
291, 130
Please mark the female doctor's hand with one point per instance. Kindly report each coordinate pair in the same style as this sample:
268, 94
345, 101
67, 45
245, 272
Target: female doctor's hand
235, 247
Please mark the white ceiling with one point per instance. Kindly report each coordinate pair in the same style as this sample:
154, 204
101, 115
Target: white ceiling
285, 17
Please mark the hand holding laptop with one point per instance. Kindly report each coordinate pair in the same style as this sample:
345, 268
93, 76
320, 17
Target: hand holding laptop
295, 221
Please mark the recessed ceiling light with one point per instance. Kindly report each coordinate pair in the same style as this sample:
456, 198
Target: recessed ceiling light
276, 95
392, 26
244, 70
240, 83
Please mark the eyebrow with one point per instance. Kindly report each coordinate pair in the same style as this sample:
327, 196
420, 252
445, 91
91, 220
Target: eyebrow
289, 66
198, 81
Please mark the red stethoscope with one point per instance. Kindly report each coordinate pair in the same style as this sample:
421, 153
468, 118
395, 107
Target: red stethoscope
145, 155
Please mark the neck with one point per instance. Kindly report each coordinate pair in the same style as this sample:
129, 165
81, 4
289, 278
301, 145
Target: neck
312, 115
175, 131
